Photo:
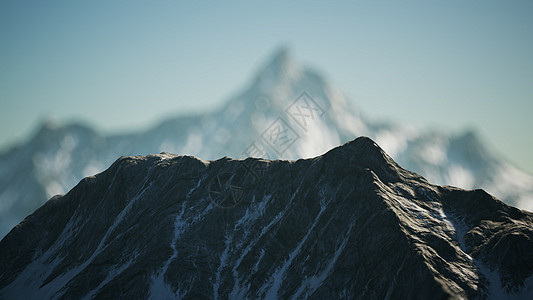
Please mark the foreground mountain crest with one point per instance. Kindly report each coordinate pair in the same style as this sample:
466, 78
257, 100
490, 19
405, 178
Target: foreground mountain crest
349, 223
57, 157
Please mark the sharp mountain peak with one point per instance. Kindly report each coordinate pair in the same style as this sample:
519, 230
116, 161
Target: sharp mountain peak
348, 223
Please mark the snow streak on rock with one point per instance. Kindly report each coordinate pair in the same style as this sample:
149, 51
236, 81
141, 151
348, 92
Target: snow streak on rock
347, 224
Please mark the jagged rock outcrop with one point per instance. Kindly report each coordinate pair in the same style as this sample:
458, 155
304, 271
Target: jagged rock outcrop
350, 223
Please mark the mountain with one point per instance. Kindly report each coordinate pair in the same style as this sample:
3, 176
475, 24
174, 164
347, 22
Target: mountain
350, 223
283, 97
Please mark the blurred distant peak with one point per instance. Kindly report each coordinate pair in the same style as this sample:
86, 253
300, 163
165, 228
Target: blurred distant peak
51, 126
280, 67
281, 57
470, 139
470, 134
50, 123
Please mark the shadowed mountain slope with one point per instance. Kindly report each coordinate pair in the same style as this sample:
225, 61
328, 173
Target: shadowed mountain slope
348, 223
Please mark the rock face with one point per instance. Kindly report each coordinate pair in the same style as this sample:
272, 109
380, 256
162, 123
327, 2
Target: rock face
350, 223
57, 157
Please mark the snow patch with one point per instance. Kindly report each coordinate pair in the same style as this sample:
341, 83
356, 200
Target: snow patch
314, 282
114, 272
223, 260
159, 288
278, 276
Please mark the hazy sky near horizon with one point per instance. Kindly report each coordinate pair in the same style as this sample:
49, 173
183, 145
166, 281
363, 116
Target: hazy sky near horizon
125, 65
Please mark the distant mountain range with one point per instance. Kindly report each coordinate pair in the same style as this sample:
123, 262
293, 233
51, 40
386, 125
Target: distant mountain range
350, 223
286, 112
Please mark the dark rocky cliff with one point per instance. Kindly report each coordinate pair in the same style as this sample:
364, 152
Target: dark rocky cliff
348, 224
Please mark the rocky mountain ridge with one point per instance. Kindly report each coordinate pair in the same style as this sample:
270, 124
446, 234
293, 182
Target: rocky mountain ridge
281, 96
348, 223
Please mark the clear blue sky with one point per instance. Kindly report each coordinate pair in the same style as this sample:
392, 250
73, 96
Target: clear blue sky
125, 64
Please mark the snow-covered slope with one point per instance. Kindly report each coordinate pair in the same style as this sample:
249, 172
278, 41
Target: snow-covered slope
286, 111
347, 224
